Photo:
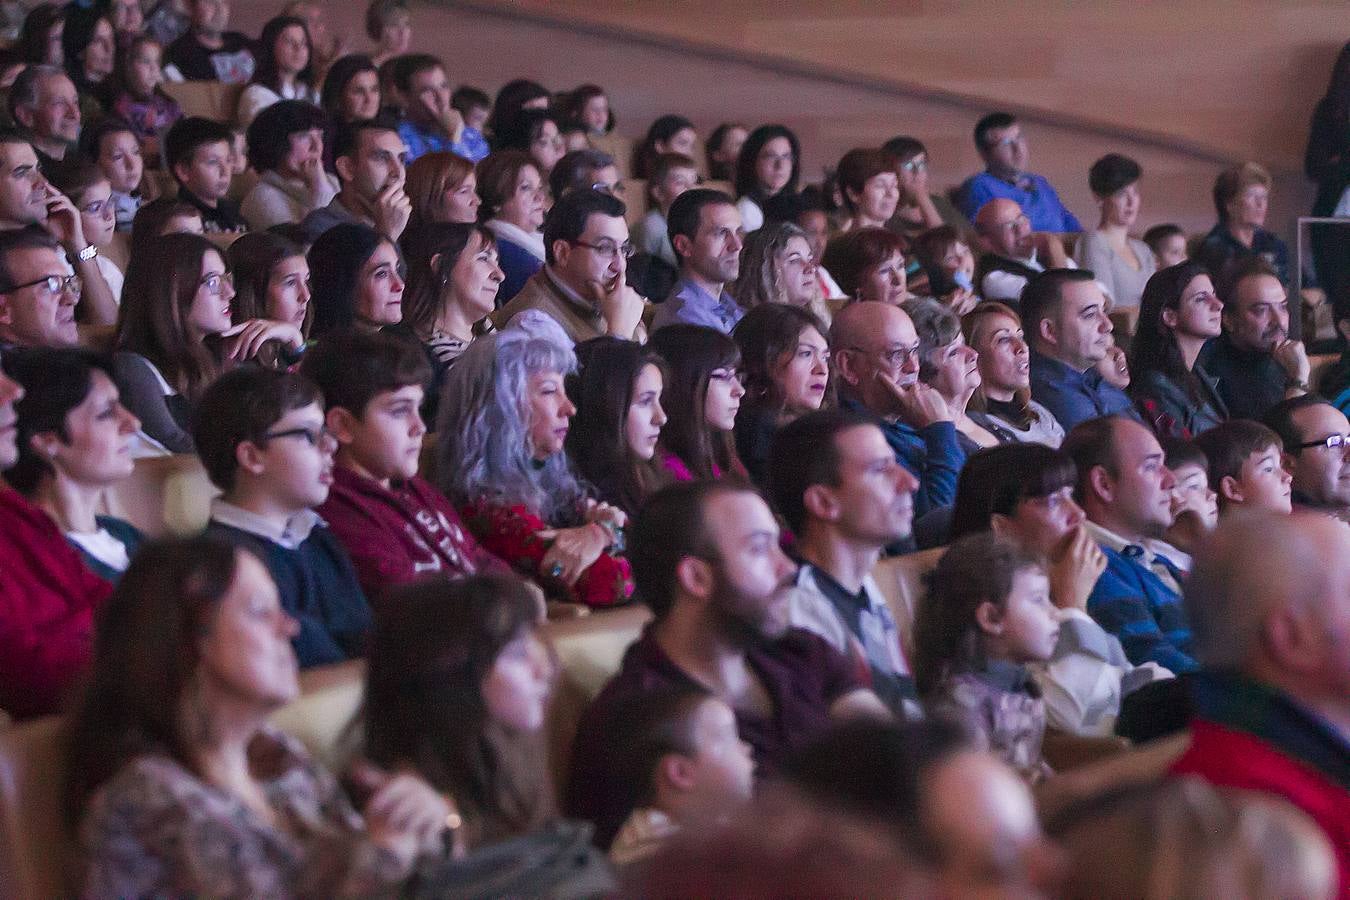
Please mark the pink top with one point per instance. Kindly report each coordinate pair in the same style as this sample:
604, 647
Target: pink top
677, 468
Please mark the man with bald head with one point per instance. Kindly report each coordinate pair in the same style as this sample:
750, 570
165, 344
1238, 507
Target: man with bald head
1013, 252
876, 353
1269, 602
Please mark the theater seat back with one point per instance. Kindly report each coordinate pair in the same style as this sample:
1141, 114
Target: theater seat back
901, 581
165, 495
209, 99
34, 846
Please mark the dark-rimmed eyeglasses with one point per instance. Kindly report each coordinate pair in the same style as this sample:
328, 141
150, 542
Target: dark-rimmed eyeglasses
609, 249
1331, 442
312, 436
53, 284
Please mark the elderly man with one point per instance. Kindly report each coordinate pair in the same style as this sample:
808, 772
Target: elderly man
876, 353
1014, 254
1270, 605
44, 103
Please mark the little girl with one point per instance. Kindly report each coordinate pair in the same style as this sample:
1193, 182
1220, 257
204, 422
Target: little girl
91, 193
139, 99
114, 147
987, 614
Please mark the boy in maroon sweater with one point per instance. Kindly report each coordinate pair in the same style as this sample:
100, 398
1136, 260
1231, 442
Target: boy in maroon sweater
395, 526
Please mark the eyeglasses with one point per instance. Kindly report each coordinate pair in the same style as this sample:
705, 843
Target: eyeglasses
614, 190
312, 436
98, 207
1018, 222
896, 357
1331, 442
915, 165
53, 284
608, 249
216, 281
1008, 141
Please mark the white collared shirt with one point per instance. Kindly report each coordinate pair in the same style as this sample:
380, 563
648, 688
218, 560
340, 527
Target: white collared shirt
291, 536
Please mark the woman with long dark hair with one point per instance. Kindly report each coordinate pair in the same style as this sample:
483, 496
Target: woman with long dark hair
358, 279
668, 134
351, 90
284, 71
701, 398
619, 419
1178, 313
770, 164
271, 280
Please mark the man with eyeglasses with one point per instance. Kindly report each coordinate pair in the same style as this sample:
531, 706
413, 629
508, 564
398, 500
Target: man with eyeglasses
998, 137
1014, 254
707, 234
583, 284
38, 291
1316, 438
876, 355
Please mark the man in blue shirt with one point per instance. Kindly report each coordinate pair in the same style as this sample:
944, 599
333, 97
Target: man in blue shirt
998, 137
1125, 489
429, 122
1064, 316
707, 234
876, 353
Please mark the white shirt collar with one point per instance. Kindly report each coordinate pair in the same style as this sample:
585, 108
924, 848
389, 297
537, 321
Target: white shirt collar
295, 532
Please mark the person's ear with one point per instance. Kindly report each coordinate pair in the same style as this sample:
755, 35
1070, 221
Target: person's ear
1230, 490
346, 168
24, 116
342, 424
1046, 331
249, 457
821, 503
1169, 318
182, 171
989, 618
695, 577
6, 310
45, 444
677, 772
682, 244
562, 251
1001, 526
435, 261
853, 197
1102, 484
1343, 328
843, 366
1291, 639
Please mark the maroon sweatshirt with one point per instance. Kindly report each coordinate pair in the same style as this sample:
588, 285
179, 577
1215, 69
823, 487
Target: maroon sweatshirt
47, 603
398, 534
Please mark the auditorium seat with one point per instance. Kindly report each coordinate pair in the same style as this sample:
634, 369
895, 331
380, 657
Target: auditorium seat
210, 99
164, 495
634, 200
617, 146
118, 250
900, 579
34, 850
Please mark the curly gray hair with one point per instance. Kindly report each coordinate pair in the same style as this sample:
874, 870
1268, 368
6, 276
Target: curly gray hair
483, 435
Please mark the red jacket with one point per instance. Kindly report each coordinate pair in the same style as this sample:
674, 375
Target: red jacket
47, 603
401, 533
511, 533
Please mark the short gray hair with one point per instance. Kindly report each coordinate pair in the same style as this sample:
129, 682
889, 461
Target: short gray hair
936, 325
24, 91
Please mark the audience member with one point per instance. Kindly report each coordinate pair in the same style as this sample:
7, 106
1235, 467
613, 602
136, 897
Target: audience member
1014, 253
503, 425
1325, 163
769, 164
702, 397
167, 20
835, 481
869, 264
918, 210
513, 209
668, 134
263, 441
358, 280
945, 259
777, 267
113, 147
86, 187
285, 147
619, 419
1121, 263
1268, 601
175, 335
707, 234
325, 47
1178, 313
456, 689
442, 188
207, 52
586, 168
1245, 470
1254, 361
807, 211
179, 783
680, 766
39, 41
43, 103
1002, 146
393, 524
271, 280
1195, 505
869, 186
875, 350
25, 195
1125, 490
534, 131
389, 25
73, 440
370, 161
90, 51
785, 365
1316, 444
1065, 312
474, 106
582, 285
986, 616
197, 152
429, 122
1241, 199
1003, 359
514, 97
951, 367
672, 175
1168, 244
285, 69
351, 91
154, 220
707, 562
723, 149
589, 105
139, 100
38, 293
453, 279
127, 18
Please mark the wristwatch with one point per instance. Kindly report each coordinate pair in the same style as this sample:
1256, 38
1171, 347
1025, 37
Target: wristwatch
88, 253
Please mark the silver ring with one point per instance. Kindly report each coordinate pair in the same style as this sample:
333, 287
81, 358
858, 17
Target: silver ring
556, 571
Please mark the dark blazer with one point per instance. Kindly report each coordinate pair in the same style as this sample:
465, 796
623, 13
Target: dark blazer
1170, 409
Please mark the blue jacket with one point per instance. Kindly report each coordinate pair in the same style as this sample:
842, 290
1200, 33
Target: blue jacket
1133, 604
1033, 193
518, 265
1073, 396
931, 454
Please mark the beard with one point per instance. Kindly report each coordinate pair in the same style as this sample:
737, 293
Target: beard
746, 620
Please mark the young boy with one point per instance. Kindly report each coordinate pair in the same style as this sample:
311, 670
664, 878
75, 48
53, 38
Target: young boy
198, 152
261, 436
112, 145
1245, 467
680, 763
672, 175
474, 105
395, 526
1195, 506
1168, 243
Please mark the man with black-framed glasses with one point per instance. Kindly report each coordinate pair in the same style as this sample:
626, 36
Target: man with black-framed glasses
38, 291
1316, 439
583, 284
